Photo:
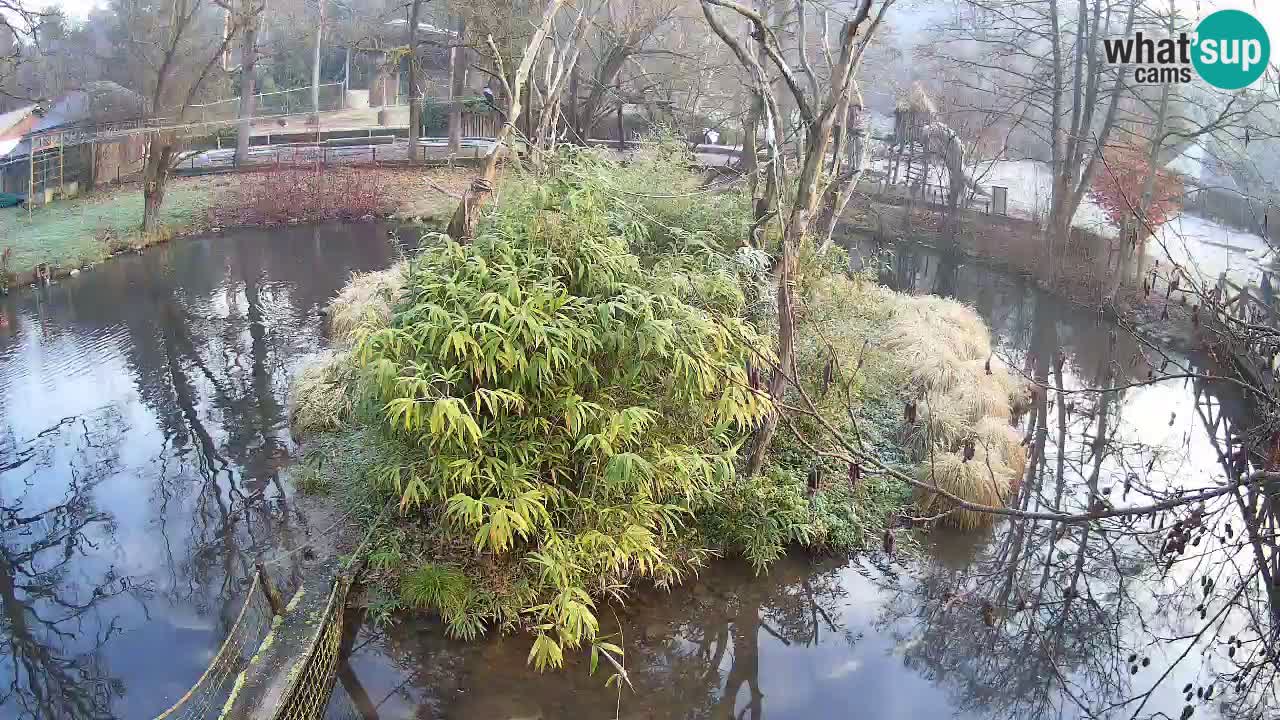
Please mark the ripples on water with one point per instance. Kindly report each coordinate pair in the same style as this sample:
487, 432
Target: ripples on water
1014, 623
144, 431
144, 437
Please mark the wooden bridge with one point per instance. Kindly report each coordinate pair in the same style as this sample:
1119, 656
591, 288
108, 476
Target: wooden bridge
1248, 325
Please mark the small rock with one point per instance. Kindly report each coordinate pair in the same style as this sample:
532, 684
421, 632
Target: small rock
215, 229
75, 272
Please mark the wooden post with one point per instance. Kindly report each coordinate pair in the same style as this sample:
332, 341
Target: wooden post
269, 588
622, 138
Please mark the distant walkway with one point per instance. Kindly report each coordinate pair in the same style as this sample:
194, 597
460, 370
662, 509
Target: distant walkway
386, 148
349, 152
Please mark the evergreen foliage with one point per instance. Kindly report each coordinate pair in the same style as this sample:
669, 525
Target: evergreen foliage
559, 404
557, 409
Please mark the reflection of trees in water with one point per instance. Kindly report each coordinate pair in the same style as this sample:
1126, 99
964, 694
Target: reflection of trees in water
1066, 601
209, 329
697, 655
1027, 629
214, 384
728, 619
54, 613
1032, 623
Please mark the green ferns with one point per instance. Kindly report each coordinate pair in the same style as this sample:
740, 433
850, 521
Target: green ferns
552, 400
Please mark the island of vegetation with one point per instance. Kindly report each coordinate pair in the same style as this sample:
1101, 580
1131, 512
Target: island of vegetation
539, 421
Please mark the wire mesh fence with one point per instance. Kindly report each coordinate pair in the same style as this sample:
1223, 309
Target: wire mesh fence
207, 696
307, 697
281, 102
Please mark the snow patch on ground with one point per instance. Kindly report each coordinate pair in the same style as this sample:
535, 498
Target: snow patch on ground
1210, 249
1030, 184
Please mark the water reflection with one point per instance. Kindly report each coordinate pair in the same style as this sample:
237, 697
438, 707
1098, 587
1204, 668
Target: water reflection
1030, 620
797, 642
1104, 616
57, 669
143, 434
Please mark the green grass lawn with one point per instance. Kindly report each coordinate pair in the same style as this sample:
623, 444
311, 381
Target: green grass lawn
71, 233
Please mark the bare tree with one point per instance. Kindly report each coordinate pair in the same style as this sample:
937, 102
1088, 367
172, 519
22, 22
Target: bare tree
817, 114
1167, 121
19, 46
180, 50
852, 131
462, 226
250, 12
1043, 65
415, 107
457, 82
549, 85
625, 31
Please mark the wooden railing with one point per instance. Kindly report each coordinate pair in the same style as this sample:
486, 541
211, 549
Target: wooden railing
1244, 303
1252, 352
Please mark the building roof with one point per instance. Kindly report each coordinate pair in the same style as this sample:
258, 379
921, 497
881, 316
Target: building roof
100, 101
97, 102
14, 117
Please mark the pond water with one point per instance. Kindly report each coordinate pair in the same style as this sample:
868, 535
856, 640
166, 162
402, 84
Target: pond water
143, 432
1026, 621
143, 466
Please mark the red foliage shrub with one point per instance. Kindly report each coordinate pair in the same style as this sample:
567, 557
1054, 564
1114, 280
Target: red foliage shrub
1117, 187
303, 194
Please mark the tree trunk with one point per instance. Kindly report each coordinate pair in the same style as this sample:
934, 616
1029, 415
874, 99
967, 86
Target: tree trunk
622, 128
315, 65
571, 117
415, 109
817, 136
840, 191
248, 83
605, 79
155, 180
750, 127
463, 225
1132, 252
457, 85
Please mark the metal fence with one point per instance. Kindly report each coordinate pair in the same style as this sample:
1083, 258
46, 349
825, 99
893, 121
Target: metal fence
281, 102
312, 680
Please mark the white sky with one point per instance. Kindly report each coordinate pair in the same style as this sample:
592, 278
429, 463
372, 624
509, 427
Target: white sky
1268, 11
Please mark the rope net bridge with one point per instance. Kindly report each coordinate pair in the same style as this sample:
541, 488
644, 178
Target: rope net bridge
279, 661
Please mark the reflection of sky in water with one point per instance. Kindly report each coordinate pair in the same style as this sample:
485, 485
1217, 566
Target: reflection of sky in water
172, 390
183, 397
903, 650
813, 682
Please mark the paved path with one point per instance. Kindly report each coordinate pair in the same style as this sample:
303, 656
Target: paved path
397, 151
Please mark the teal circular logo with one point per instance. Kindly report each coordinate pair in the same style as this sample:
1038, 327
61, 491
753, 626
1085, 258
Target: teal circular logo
1231, 49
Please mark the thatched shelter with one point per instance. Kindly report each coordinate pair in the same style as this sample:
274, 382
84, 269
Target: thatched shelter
916, 100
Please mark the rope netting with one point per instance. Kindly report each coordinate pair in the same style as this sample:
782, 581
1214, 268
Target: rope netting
307, 695
206, 697
311, 678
